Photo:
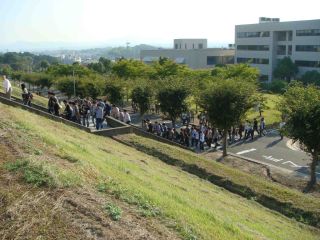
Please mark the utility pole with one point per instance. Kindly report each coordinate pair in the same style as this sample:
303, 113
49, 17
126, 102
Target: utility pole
74, 84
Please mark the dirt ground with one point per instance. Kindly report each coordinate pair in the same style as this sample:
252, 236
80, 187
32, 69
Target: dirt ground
28, 212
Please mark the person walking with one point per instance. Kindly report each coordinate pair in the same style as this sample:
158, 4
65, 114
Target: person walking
255, 126
201, 139
51, 102
262, 127
126, 117
281, 126
7, 87
99, 116
209, 137
26, 96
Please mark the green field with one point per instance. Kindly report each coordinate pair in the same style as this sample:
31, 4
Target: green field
271, 114
196, 208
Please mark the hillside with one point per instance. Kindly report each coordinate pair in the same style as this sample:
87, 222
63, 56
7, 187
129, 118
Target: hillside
57, 182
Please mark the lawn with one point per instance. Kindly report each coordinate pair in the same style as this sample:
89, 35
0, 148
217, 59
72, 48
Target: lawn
196, 208
271, 114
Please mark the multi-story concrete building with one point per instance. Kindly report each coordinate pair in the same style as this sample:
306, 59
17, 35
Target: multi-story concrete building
192, 52
263, 44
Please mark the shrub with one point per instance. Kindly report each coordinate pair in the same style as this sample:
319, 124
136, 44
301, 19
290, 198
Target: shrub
276, 86
32, 174
114, 211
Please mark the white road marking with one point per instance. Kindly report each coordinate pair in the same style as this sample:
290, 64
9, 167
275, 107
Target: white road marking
246, 151
272, 158
292, 164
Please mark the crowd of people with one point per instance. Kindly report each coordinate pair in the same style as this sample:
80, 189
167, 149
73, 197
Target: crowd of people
199, 136
86, 111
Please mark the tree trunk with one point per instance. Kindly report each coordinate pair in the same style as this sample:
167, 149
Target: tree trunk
313, 176
173, 123
225, 132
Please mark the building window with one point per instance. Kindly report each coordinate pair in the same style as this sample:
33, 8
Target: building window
313, 64
212, 60
253, 60
200, 46
253, 47
290, 36
281, 36
281, 50
176, 46
308, 48
185, 46
228, 60
180, 46
290, 50
308, 32
193, 45
252, 34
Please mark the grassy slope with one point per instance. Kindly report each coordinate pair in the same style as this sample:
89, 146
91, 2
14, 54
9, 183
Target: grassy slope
39, 100
271, 114
196, 206
259, 185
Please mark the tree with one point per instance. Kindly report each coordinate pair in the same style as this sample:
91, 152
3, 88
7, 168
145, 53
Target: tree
241, 71
114, 93
261, 103
276, 86
172, 101
301, 108
130, 69
286, 69
44, 80
166, 68
311, 77
66, 85
44, 64
142, 96
226, 103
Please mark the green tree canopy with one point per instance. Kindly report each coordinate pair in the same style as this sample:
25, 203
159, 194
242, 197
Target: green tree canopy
104, 66
172, 99
226, 103
129, 68
301, 108
142, 96
241, 71
166, 68
311, 77
59, 70
286, 69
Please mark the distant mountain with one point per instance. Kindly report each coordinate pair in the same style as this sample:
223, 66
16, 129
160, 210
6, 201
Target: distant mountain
46, 46
107, 52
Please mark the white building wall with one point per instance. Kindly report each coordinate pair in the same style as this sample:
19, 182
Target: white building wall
273, 43
194, 58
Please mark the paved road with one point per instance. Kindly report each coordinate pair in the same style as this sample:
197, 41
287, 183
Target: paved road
273, 151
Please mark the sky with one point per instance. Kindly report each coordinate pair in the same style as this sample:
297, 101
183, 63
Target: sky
154, 22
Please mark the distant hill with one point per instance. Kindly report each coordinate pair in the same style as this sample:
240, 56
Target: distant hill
107, 52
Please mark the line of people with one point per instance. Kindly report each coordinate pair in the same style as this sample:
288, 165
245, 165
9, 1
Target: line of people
203, 135
84, 111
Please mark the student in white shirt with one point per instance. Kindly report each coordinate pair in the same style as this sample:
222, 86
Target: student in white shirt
7, 87
126, 117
